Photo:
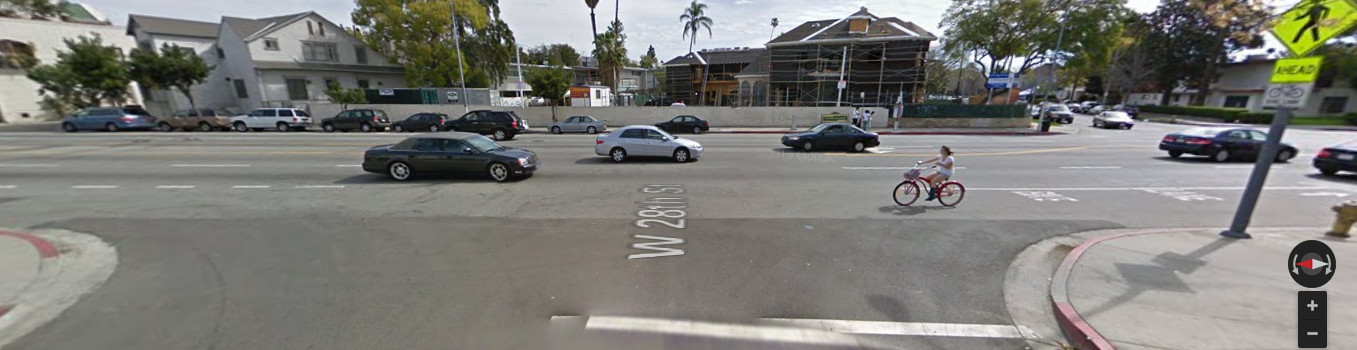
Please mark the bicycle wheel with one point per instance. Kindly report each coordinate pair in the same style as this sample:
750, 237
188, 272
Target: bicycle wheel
906, 193
951, 193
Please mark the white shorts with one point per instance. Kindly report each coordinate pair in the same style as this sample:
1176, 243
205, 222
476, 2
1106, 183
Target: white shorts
946, 173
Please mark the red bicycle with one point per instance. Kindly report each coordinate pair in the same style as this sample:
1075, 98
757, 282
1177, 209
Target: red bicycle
907, 192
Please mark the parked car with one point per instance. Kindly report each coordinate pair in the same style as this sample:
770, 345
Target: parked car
685, 123
1073, 107
433, 122
579, 123
832, 136
1133, 111
365, 120
109, 119
196, 119
645, 141
1087, 106
501, 125
1222, 144
678, 104
281, 119
449, 153
660, 101
1113, 119
1059, 114
1034, 110
1097, 109
1341, 157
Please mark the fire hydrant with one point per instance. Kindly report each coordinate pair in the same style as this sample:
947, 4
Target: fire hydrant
1347, 215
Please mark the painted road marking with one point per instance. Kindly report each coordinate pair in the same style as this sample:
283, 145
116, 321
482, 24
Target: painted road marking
1090, 167
908, 328
1007, 153
888, 168
210, 165
93, 187
1324, 194
1181, 194
250, 186
320, 186
6, 187
877, 151
1285, 188
175, 186
348, 165
20, 165
757, 333
1045, 196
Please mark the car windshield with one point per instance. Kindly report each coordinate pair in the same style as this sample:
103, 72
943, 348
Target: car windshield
821, 127
483, 144
1059, 109
1117, 115
1210, 132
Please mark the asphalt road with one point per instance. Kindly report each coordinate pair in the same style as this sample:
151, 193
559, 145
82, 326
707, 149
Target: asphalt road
269, 240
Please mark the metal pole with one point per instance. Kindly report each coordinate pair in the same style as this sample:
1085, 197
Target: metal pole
838, 101
518, 58
457, 42
1260, 170
1059, 41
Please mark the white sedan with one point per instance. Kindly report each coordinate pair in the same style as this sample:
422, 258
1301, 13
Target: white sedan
645, 141
1113, 119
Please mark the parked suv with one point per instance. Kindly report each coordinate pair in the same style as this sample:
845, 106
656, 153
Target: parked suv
199, 119
366, 120
281, 119
110, 119
500, 125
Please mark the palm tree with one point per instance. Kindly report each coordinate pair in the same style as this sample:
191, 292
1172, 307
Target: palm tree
694, 18
610, 51
592, 23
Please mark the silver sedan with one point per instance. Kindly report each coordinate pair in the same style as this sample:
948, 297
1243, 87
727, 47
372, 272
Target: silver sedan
645, 141
579, 123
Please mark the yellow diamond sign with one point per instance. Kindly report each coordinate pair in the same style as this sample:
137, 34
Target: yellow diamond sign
1310, 23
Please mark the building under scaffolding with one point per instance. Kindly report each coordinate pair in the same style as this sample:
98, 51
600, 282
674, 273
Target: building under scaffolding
875, 59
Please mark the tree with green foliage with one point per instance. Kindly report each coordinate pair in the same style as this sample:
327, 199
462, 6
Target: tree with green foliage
418, 34
489, 50
345, 97
38, 8
1178, 43
695, 18
610, 51
552, 55
85, 75
174, 67
551, 84
1234, 25
1028, 33
649, 60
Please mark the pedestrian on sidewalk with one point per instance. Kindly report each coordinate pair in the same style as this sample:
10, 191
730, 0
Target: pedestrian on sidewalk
857, 114
867, 119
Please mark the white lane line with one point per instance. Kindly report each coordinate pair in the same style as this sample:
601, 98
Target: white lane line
320, 186
175, 186
887, 168
348, 165
250, 186
762, 334
93, 187
1284, 188
1090, 167
19, 165
6, 187
209, 165
908, 328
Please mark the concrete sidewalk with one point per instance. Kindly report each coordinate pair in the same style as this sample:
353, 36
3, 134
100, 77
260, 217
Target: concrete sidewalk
21, 260
1193, 289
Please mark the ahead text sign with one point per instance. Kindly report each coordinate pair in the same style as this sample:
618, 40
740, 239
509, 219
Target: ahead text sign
1296, 70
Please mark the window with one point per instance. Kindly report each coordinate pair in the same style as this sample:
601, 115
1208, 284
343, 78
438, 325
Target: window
1239, 134
360, 53
428, 145
309, 29
240, 89
271, 44
320, 52
483, 144
301, 113
363, 83
454, 145
1236, 102
221, 53
320, 27
296, 89
837, 129
1257, 135
268, 112
331, 81
634, 134
654, 135
1333, 104
285, 113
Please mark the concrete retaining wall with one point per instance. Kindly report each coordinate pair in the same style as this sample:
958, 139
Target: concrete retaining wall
718, 117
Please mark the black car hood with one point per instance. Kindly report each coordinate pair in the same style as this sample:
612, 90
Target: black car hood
513, 152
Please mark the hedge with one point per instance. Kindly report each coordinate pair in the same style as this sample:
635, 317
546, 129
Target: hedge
1228, 114
963, 111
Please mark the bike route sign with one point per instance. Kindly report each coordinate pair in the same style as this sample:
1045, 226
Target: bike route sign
1291, 82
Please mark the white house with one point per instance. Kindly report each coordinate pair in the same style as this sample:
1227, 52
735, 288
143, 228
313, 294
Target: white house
18, 95
200, 37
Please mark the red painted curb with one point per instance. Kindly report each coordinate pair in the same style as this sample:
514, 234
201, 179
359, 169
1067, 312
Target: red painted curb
1078, 330
45, 249
4, 309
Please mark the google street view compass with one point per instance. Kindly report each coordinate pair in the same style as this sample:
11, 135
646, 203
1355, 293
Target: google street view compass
1311, 264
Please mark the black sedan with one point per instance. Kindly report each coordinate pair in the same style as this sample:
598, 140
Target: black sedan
1342, 157
1221, 144
449, 153
685, 123
433, 122
832, 136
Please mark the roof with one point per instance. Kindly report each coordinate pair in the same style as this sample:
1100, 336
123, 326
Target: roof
170, 26
758, 67
334, 67
249, 29
718, 57
887, 28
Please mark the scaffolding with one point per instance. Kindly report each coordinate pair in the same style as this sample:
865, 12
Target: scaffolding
877, 72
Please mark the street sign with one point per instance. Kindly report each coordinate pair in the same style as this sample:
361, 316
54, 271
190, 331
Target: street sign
386, 92
1310, 23
1001, 80
1291, 95
1296, 70
843, 84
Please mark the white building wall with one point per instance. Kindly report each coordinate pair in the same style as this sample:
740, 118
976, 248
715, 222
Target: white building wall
274, 83
291, 37
237, 65
18, 94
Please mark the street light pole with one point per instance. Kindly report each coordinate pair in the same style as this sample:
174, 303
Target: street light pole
518, 85
1059, 41
457, 42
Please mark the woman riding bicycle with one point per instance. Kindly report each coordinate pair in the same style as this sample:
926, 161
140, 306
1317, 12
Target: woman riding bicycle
946, 164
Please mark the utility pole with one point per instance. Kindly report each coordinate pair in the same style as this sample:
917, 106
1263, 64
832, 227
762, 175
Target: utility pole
1059, 41
457, 42
838, 101
518, 85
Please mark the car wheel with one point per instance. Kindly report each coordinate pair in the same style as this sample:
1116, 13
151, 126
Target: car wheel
328, 127
240, 127
112, 127
397, 128
365, 127
681, 155
166, 127
592, 130
68, 127
618, 154
1126, 127
808, 146
1285, 155
1175, 154
697, 130
1220, 155
433, 128
399, 171
859, 147
556, 130
1328, 171
500, 135
498, 172
1095, 123
204, 127
283, 127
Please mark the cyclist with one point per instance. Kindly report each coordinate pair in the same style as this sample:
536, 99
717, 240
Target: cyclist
946, 163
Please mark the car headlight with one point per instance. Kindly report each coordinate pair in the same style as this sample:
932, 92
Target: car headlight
794, 138
523, 161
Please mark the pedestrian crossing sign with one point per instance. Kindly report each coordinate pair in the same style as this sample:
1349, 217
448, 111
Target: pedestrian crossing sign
1310, 23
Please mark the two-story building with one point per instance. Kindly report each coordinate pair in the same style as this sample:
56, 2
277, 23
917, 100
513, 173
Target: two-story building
1242, 85
153, 33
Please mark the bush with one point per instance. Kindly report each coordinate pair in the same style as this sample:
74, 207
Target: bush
1351, 118
1255, 118
1226, 114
